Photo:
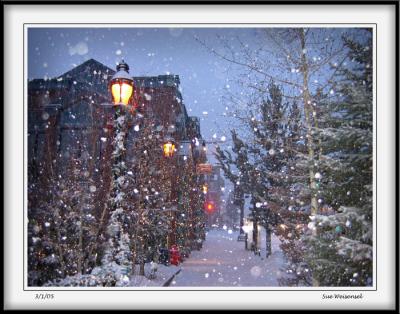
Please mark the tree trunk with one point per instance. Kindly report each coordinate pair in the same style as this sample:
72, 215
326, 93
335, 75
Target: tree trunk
141, 254
134, 255
310, 140
255, 235
315, 282
307, 112
141, 268
80, 247
60, 253
241, 217
268, 242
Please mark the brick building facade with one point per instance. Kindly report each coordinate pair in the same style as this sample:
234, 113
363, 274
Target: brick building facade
70, 118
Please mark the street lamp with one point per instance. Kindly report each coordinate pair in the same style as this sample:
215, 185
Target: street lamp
121, 85
121, 88
169, 147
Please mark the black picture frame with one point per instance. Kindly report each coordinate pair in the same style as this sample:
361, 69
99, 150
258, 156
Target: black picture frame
394, 6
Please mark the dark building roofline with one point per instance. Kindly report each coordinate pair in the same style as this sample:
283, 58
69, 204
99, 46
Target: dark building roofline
89, 63
94, 65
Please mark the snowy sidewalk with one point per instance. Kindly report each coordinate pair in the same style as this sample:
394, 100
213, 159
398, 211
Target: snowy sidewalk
223, 261
164, 275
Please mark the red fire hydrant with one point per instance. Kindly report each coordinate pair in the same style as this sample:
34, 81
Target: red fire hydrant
175, 256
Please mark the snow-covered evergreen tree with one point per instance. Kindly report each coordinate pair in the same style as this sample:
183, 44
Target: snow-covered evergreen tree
271, 162
340, 249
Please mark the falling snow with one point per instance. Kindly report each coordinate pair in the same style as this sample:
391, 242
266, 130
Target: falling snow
279, 163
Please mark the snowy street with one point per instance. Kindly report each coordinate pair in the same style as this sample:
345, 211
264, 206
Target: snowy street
223, 261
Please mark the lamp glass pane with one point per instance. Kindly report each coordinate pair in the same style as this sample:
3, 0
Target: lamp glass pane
116, 92
126, 93
169, 149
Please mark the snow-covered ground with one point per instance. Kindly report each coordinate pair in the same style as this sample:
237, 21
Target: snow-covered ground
223, 261
163, 274
115, 273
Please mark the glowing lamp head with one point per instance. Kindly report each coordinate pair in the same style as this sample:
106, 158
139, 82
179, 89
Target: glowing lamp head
205, 188
121, 85
169, 148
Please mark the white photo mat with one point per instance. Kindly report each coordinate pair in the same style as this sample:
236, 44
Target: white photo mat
18, 17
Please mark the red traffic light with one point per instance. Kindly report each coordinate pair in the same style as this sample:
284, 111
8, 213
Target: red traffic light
209, 207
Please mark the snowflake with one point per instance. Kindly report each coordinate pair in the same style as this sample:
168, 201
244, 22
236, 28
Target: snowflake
271, 151
45, 116
255, 271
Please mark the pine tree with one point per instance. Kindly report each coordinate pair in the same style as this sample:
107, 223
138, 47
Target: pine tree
270, 165
294, 217
341, 246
